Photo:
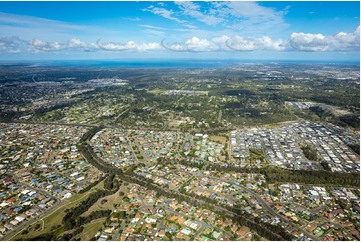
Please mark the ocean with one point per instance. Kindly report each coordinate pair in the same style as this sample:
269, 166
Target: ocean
163, 63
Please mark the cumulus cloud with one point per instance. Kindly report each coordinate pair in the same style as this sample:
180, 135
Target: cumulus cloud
318, 42
341, 41
76, 44
12, 44
130, 45
197, 44
193, 44
73, 44
240, 43
47, 46
148, 46
221, 41
226, 43
270, 44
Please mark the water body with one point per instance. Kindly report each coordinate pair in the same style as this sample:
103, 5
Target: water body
163, 63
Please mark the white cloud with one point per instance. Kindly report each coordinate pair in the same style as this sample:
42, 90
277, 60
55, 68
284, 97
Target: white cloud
29, 27
112, 46
154, 32
133, 19
190, 26
130, 45
16, 45
116, 46
76, 42
12, 44
270, 44
341, 41
251, 10
226, 43
21, 23
308, 42
240, 43
150, 26
47, 46
72, 44
193, 10
30, 21
165, 13
221, 41
148, 46
193, 44
252, 17
237, 15
317, 42
197, 44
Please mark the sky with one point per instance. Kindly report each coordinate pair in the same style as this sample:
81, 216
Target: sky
283, 30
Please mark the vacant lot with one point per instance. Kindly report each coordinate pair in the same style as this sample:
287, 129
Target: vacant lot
109, 202
218, 139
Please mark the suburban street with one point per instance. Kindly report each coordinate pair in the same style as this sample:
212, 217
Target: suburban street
12, 233
269, 209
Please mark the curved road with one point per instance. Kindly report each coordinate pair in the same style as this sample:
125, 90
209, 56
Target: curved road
266, 206
260, 200
19, 228
311, 211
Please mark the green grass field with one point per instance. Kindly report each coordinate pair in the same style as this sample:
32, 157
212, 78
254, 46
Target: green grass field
91, 229
49, 221
157, 91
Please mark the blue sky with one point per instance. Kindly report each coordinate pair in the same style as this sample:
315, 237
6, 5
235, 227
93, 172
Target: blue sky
206, 30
